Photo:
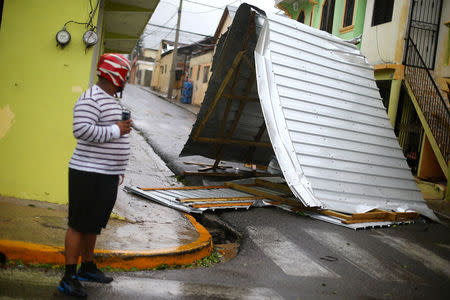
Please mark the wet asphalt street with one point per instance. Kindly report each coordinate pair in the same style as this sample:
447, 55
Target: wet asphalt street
282, 255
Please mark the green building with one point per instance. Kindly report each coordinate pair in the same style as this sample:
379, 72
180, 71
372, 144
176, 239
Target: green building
408, 44
41, 80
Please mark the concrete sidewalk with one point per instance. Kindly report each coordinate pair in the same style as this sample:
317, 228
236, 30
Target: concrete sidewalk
189, 107
141, 234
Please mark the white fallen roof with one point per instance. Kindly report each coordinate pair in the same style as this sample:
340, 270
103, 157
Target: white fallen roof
323, 115
327, 123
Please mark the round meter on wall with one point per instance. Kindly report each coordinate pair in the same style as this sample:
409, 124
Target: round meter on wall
90, 38
63, 37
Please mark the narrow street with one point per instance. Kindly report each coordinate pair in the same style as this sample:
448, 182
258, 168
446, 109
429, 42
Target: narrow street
282, 255
297, 257
316, 139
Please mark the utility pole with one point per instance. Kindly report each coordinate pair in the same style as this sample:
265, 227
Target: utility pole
174, 53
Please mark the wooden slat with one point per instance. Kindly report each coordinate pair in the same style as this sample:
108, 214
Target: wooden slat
186, 188
336, 214
218, 95
375, 215
220, 199
237, 116
200, 187
241, 187
399, 216
226, 112
247, 60
371, 215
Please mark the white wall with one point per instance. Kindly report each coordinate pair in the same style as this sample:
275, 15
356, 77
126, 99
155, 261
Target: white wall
384, 43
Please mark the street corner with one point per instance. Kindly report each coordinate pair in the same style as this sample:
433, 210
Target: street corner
183, 254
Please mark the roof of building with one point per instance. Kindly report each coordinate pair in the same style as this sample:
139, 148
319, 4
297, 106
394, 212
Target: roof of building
311, 100
228, 11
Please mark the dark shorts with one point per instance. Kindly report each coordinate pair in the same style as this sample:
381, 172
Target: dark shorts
91, 199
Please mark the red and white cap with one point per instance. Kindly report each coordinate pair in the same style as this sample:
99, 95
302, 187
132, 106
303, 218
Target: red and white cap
114, 67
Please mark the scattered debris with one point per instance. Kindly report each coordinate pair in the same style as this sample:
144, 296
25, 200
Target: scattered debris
262, 192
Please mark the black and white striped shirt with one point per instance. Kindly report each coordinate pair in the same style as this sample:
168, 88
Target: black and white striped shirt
100, 148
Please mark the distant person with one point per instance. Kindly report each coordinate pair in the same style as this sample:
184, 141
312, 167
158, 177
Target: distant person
95, 169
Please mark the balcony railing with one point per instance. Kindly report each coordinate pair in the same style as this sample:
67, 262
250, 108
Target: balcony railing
433, 105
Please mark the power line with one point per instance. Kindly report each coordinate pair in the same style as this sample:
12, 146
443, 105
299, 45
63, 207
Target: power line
152, 47
203, 4
199, 3
160, 26
156, 30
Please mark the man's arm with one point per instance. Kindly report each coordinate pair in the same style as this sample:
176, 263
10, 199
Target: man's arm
86, 115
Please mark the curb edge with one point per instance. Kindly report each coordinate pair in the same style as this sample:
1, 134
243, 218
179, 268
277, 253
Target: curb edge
123, 259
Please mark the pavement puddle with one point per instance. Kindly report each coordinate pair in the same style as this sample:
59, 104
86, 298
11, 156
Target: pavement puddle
168, 289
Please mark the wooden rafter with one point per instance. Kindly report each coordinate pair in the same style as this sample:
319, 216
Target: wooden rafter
254, 191
237, 117
226, 112
220, 199
258, 137
216, 99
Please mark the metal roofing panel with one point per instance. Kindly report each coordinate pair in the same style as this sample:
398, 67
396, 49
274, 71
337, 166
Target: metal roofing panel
201, 198
327, 124
322, 112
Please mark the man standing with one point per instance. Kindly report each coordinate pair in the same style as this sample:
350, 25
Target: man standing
97, 164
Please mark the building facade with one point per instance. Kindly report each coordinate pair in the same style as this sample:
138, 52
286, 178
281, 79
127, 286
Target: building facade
161, 74
199, 74
407, 43
41, 80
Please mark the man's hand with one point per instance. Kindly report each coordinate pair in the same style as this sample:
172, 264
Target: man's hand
122, 177
124, 126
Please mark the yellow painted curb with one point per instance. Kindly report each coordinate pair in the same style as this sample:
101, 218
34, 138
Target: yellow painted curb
185, 254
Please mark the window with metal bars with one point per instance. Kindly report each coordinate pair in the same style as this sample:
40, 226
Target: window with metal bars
382, 12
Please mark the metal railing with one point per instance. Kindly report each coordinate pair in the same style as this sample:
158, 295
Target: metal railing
423, 29
433, 105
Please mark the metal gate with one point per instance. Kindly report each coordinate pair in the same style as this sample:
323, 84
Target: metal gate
423, 32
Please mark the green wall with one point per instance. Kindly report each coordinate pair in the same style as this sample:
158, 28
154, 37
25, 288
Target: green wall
39, 85
360, 10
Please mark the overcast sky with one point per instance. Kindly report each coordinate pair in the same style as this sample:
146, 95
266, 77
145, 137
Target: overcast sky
198, 16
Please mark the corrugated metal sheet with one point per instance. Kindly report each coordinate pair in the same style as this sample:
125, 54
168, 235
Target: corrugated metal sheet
327, 123
201, 198
252, 118
324, 117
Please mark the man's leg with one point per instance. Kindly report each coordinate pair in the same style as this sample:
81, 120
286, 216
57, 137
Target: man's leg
69, 283
87, 246
88, 270
73, 243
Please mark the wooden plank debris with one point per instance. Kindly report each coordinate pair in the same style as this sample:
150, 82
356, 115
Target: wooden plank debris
375, 215
220, 199
272, 194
